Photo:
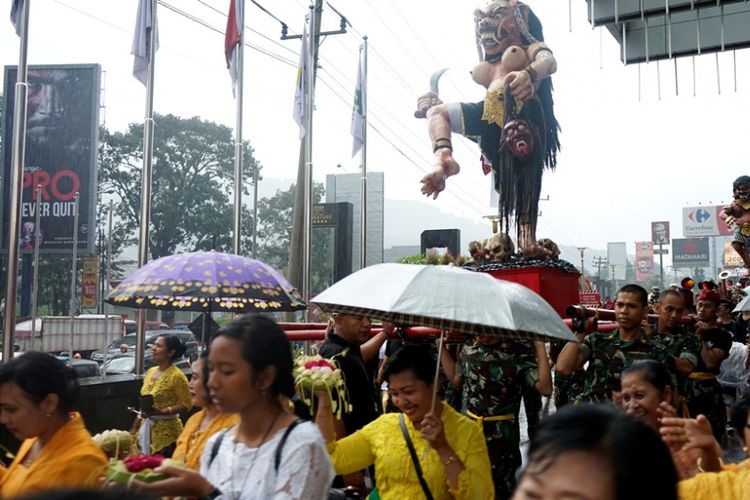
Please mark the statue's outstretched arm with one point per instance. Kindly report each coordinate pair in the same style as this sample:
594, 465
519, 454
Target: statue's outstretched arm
439, 127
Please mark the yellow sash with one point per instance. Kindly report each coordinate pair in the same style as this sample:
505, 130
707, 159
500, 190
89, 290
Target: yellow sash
496, 418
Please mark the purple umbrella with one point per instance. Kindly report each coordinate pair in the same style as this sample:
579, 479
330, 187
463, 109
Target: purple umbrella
207, 281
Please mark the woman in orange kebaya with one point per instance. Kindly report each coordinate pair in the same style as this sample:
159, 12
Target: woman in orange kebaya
203, 424
37, 395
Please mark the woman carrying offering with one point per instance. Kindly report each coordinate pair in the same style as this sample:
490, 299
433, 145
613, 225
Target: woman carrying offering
37, 395
203, 424
168, 387
448, 456
269, 454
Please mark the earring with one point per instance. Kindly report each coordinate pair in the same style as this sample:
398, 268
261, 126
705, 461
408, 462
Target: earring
48, 415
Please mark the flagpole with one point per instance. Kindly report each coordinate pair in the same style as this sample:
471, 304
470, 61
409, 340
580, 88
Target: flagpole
16, 187
148, 151
308, 201
363, 188
35, 281
238, 132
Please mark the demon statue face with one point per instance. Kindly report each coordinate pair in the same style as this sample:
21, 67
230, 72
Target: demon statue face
518, 138
496, 28
741, 188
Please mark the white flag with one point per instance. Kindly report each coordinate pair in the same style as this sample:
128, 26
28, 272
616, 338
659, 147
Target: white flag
300, 92
143, 26
358, 112
15, 14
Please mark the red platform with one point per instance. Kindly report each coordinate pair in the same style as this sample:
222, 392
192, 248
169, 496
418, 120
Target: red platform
559, 288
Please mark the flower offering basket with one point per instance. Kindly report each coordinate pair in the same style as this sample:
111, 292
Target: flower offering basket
315, 373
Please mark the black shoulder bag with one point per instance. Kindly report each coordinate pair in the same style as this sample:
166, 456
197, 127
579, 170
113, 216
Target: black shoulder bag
414, 459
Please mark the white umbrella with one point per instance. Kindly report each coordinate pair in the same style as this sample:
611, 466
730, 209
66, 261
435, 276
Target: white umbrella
743, 305
445, 297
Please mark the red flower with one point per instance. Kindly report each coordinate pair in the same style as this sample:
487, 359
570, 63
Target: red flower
136, 463
318, 363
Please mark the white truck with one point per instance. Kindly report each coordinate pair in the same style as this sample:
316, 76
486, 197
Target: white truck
53, 333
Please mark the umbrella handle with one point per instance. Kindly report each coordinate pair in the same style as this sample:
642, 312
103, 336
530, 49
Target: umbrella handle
437, 372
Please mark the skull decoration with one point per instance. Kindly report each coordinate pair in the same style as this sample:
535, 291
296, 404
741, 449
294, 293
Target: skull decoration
477, 251
500, 248
518, 138
551, 250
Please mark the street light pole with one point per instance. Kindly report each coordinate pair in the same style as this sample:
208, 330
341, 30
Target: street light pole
582, 250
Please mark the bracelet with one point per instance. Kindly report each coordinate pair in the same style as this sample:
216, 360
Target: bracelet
532, 73
442, 143
451, 459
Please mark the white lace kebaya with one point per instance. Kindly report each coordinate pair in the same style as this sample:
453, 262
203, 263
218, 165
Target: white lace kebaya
242, 473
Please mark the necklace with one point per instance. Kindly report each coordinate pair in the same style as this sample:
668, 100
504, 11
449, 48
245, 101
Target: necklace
255, 456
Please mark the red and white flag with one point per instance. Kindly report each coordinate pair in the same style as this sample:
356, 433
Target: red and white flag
15, 14
233, 37
141, 51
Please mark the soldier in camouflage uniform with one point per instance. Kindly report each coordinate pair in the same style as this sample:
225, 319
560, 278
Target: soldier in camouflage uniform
683, 345
609, 353
493, 374
567, 387
701, 389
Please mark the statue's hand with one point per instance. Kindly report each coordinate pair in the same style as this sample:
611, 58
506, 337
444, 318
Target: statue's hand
434, 182
521, 85
425, 102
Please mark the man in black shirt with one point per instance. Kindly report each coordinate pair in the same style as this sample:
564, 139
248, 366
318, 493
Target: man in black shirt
701, 389
351, 345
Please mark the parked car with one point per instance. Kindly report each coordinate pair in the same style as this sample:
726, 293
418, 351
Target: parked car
86, 368
124, 363
186, 336
130, 326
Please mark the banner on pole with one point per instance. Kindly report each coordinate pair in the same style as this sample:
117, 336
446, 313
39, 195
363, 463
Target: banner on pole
644, 260
660, 232
62, 134
89, 281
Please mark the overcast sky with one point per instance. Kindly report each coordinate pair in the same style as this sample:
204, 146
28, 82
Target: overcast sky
625, 161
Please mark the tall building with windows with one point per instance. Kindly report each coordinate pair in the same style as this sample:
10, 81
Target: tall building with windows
347, 187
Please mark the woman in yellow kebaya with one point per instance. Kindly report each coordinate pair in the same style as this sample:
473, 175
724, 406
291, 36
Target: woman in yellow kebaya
203, 424
37, 395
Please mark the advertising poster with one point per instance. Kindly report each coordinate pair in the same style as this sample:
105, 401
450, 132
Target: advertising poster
62, 128
690, 252
644, 260
617, 257
89, 281
731, 257
660, 232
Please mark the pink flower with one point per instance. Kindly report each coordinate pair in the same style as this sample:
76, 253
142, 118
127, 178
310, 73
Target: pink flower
136, 463
318, 363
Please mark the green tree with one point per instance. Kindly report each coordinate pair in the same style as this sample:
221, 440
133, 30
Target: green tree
275, 234
192, 188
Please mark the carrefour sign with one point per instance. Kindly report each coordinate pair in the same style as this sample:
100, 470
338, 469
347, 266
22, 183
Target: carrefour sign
703, 221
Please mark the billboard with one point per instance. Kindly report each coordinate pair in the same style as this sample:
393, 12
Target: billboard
703, 221
660, 232
731, 257
62, 132
617, 257
644, 260
690, 252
